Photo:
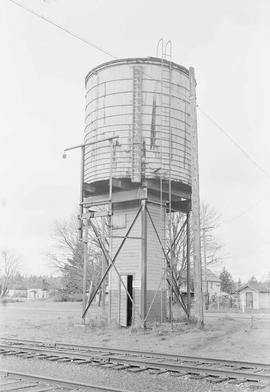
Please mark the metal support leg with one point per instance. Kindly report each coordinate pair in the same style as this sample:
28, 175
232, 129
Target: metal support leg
83, 235
103, 292
172, 283
144, 263
110, 261
188, 266
85, 261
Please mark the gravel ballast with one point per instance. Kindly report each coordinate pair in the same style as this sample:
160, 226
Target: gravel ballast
118, 379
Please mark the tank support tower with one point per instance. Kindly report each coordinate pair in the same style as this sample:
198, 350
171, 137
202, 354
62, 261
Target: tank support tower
138, 288
137, 173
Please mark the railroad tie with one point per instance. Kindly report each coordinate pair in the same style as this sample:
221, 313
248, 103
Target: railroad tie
54, 358
158, 371
43, 356
103, 363
238, 381
94, 362
110, 365
121, 367
217, 379
8, 352
177, 373
196, 376
83, 362
137, 369
80, 361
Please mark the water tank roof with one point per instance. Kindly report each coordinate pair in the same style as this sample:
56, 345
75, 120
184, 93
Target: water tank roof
137, 60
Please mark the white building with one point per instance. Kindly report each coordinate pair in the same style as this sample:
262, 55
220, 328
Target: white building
37, 294
212, 284
254, 296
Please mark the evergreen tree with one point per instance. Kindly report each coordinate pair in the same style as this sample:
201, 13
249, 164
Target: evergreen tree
239, 284
227, 283
253, 280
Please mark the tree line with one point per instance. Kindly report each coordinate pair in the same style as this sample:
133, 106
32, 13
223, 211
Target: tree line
230, 286
66, 256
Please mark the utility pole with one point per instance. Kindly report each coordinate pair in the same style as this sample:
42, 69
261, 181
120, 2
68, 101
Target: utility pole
197, 268
83, 234
205, 268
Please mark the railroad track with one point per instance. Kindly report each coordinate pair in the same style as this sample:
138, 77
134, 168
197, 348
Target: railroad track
211, 369
15, 381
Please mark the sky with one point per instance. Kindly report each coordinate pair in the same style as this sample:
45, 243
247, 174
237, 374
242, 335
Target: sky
42, 112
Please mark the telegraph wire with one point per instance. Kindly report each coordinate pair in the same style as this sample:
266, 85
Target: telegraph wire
74, 35
251, 207
71, 33
247, 155
107, 53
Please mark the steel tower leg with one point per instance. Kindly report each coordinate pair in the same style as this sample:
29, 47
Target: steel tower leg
199, 314
188, 266
144, 263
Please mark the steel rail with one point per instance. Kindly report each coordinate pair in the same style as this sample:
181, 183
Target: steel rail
145, 363
111, 350
61, 382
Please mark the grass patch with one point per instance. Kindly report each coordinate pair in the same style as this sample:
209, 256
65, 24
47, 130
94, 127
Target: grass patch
63, 297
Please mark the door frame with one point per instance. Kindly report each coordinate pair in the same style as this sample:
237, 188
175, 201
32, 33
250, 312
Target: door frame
122, 290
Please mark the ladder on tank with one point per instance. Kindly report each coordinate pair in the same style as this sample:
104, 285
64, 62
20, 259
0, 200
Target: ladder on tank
136, 137
165, 134
165, 99
166, 130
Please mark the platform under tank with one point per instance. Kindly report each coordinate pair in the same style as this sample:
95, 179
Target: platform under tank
145, 102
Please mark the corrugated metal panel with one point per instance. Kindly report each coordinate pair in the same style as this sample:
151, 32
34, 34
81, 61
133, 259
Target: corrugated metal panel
125, 99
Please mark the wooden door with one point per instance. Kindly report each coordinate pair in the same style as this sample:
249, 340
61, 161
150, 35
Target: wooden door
249, 300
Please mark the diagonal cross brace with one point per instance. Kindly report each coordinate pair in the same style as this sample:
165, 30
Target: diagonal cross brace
174, 284
109, 261
177, 237
168, 252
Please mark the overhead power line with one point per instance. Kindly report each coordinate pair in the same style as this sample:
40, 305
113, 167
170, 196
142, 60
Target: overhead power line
235, 143
249, 157
71, 33
247, 210
107, 53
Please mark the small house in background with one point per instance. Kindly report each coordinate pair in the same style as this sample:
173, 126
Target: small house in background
37, 293
254, 296
212, 283
16, 291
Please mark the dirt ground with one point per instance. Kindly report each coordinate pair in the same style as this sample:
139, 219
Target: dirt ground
224, 336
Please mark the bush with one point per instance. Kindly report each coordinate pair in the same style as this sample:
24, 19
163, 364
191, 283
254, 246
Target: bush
9, 300
64, 297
